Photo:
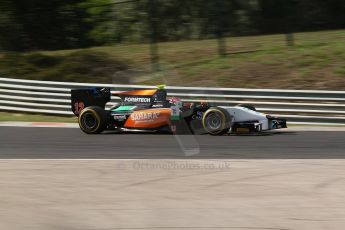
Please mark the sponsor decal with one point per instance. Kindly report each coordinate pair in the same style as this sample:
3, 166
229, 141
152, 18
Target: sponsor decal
198, 115
138, 99
145, 116
120, 117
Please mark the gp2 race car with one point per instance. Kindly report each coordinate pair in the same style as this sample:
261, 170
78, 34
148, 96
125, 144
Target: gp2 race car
150, 110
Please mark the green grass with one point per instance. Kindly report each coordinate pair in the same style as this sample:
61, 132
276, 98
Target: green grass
85, 66
315, 62
35, 118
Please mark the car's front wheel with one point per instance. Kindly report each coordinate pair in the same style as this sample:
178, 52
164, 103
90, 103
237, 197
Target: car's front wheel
216, 121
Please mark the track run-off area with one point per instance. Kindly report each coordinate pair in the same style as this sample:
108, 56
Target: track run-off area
61, 178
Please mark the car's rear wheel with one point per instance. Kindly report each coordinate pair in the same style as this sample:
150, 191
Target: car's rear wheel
216, 121
92, 120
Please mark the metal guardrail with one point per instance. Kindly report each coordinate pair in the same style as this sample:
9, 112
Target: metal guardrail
304, 106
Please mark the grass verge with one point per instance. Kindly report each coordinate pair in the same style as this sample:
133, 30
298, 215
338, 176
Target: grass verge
316, 61
35, 118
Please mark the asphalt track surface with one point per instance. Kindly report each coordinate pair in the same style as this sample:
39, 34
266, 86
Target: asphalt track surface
68, 143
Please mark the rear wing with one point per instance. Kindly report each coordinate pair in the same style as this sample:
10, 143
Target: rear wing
145, 97
82, 98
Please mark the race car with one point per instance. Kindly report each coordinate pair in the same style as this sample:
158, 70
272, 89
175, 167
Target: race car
150, 110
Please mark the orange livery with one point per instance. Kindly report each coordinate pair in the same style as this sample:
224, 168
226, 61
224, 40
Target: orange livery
149, 119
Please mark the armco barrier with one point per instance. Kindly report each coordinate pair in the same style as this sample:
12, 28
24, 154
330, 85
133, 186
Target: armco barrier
304, 106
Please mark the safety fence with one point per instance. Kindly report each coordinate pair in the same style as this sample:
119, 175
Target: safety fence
298, 106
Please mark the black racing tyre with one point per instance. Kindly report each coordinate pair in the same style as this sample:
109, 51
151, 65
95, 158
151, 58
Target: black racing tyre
92, 120
248, 106
216, 121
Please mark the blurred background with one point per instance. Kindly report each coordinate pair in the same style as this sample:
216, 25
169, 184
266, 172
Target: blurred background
229, 43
